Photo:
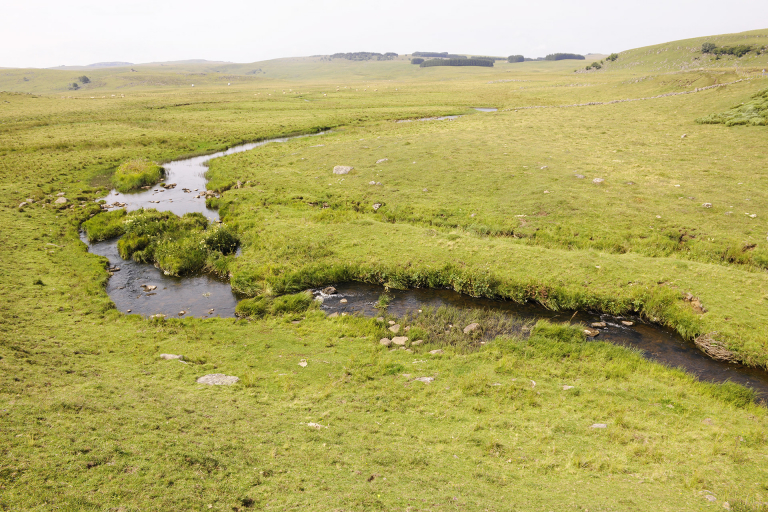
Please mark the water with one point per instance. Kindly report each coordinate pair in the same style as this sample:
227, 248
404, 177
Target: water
486, 109
205, 296
657, 343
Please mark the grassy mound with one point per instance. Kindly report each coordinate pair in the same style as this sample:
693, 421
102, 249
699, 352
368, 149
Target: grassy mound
752, 113
135, 174
285, 304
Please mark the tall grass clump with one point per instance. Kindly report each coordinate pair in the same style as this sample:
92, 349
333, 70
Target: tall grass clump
751, 113
104, 226
135, 174
260, 306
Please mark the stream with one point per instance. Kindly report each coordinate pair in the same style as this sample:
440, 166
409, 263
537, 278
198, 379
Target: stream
206, 296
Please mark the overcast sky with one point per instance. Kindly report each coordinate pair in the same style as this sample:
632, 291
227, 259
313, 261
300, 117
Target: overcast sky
44, 33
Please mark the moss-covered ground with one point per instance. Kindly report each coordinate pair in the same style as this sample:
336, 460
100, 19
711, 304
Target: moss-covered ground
489, 204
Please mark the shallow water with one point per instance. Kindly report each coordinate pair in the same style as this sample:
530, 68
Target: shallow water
486, 109
206, 296
657, 343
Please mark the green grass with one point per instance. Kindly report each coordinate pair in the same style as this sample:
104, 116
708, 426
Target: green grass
754, 113
94, 419
135, 174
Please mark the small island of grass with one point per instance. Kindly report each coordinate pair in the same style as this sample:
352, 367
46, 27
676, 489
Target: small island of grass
135, 174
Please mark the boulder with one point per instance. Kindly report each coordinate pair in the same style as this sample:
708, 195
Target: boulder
591, 332
376, 206
61, 200
400, 340
598, 180
627, 323
343, 301
385, 341
598, 324
218, 379
342, 169
471, 327
436, 351
417, 342
330, 290
169, 357
395, 328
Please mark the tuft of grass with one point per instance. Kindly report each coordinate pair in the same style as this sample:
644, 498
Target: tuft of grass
104, 226
260, 306
752, 113
136, 173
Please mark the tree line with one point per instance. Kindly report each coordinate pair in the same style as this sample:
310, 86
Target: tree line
364, 56
457, 62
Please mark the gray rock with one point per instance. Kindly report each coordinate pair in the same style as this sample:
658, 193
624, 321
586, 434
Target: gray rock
382, 160
342, 169
343, 301
709, 497
61, 200
598, 324
392, 322
400, 340
598, 180
471, 327
395, 328
436, 351
591, 332
385, 341
707, 205
376, 206
171, 356
566, 388
627, 323
425, 380
380, 319
22, 204
218, 379
60, 194
417, 342
599, 425
579, 176
333, 315
330, 290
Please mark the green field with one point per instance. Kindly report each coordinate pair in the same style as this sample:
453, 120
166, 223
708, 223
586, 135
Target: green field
501, 204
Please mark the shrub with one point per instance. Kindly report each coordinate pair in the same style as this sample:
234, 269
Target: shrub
84, 79
135, 174
564, 56
417, 60
179, 255
74, 86
222, 239
708, 47
260, 306
515, 58
256, 307
595, 65
612, 57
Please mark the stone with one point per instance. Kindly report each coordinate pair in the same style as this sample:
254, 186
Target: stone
471, 327
330, 290
382, 160
400, 340
566, 388
598, 324
425, 190
627, 323
343, 301
303, 363
315, 425
342, 169
436, 352
544, 167
22, 204
333, 315
425, 380
371, 182
218, 379
707, 205
709, 497
169, 357
598, 180
684, 136
591, 332
60, 194
417, 342
391, 322
61, 200
707, 421
182, 313
380, 319
579, 176
148, 287
385, 341
599, 425
395, 328
376, 206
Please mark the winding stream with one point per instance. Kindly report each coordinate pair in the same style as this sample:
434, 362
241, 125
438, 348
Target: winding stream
205, 296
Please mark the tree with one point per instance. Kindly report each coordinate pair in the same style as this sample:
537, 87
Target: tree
612, 57
417, 60
708, 47
515, 58
74, 86
84, 79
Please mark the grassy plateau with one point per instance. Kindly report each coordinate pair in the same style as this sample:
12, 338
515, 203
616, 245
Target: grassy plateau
624, 189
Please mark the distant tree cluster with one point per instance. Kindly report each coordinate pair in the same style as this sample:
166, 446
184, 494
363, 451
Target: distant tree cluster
84, 79
74, 86
612, 57
444, 55
417, 60
564, 56
515, 58
739, 50
457, 62
485, 57
595, 65
364, 56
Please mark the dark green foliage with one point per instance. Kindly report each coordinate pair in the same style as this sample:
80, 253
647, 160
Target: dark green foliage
222, 239
612, 57
738, 50
457, 62
564, 56
732, 393
753, 113
594, 65
104, 226
284, 304
485, 57
84, 79
417, 60
137, 173
515, 58
364, 56
443, 55
74, 86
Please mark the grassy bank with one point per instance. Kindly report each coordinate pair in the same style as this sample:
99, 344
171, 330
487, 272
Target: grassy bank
488, 204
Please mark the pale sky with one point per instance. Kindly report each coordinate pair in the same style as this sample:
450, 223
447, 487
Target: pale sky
45, 33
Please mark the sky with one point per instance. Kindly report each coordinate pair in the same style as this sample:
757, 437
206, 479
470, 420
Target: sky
44, 33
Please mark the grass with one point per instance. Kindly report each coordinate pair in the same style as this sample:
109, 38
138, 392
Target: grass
94, 419
135, 174
753, 113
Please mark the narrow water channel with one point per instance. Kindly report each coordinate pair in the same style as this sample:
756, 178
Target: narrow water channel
142, 289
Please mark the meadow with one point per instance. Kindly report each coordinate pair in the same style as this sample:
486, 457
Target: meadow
619, 207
